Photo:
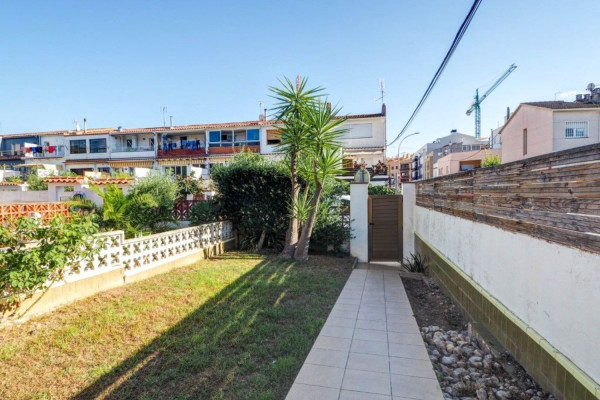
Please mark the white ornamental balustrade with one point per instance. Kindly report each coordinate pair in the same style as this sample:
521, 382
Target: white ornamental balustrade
108, 257
146, 252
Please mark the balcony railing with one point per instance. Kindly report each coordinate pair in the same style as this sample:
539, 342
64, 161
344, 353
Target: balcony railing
35, 152
131, 149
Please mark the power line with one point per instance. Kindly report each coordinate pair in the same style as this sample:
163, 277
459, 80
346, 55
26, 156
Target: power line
455, 42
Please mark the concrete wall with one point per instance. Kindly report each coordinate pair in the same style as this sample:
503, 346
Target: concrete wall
560, 117
538, 122
551, 289
359, 221
8, 197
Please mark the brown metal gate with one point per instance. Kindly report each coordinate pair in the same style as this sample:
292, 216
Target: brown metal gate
385, 228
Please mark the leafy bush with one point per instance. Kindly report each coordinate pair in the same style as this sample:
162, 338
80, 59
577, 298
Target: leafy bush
254, 194
189, 185
204, 212
329, 233
38, 254
156, 208
148, 207
490, 160
36, 183
380, 190
15, 179
415, 263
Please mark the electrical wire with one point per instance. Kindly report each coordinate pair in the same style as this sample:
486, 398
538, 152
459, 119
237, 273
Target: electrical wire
455, 42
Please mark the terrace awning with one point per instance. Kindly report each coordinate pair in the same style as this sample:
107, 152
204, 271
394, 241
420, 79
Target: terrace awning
132, 163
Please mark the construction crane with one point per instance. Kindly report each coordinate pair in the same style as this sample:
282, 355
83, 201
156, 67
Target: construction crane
476, 106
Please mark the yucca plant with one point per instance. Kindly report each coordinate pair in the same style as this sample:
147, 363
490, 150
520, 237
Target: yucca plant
291, 103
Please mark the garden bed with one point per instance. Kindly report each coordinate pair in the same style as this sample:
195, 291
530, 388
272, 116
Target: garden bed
466, 367
232, 327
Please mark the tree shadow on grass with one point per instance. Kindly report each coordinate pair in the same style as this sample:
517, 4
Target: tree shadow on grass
247, 342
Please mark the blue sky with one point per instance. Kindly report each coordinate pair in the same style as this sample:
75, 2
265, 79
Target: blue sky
118, 62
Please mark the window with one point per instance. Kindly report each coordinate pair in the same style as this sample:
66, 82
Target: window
273, 136
97, 146
177, 171
78, 147
129, 143
239, 137
576, 129
152, 143
524, 141
252, 136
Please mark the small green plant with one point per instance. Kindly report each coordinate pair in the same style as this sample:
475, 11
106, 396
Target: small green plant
490, 160
380, 190
37, 254
189, 185
14, 179
204, 212
36, 183
416, 263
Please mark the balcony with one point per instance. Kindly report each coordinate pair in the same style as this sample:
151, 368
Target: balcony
230, 148
132, 152
33, 152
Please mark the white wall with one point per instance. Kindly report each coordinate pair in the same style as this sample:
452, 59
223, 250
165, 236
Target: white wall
560, 117
552, 288
7, 197
359, 221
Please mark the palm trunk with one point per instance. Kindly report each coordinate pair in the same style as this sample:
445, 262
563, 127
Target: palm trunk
301, 252
291, 237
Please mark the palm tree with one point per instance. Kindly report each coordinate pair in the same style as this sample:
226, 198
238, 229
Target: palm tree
291, 103
324, 161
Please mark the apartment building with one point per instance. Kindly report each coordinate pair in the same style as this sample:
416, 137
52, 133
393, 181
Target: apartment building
547, 126
180, 149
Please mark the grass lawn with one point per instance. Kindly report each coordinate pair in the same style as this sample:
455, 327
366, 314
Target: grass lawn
234, 327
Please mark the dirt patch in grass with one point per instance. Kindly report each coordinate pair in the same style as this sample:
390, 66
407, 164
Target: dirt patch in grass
233, 327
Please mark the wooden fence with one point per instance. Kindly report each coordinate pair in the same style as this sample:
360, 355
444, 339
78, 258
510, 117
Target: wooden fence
45, 210
555, 197
182, 209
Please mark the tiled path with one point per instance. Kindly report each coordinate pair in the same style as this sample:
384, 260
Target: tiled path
370, 347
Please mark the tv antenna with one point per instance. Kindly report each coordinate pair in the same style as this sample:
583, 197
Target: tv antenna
382, 89
163, 110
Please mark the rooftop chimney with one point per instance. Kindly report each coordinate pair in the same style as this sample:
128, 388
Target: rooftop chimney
328, 104
383, 109
85, 125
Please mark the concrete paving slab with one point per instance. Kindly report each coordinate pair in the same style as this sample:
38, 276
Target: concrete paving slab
370, 347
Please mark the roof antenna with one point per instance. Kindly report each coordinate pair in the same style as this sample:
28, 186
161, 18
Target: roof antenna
77, 128
163, 110
261, 117
382, 89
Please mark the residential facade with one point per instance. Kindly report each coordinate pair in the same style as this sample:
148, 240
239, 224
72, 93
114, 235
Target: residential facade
180, 149
548, 126
463, 161
424, 165
399, 168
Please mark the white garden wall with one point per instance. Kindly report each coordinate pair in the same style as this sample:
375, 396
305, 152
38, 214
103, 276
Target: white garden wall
552, 288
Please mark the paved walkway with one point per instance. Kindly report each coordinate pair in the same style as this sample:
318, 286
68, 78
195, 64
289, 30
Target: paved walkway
370, 347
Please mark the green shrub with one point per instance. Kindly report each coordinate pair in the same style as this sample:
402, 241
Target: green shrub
152, 198
189, 185
59, 245
36, 183
15, 179
490, 160
204, 212
254, 194
380, 190
148, 207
